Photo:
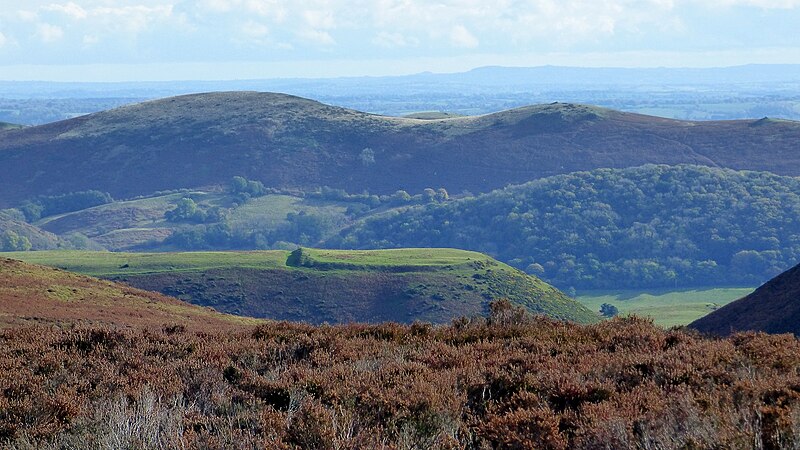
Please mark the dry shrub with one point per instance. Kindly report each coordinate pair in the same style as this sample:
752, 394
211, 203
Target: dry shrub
509, 382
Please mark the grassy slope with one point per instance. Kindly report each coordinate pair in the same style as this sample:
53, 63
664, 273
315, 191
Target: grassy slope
434, 285
286, 141
126, 225
666, 307
36, 294
773, 308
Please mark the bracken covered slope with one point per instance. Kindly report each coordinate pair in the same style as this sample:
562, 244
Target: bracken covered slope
507, 382
287, 141
772, 308
31, 294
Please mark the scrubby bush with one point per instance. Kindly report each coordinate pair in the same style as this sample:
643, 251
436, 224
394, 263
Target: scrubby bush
608, 310
13, 242
244, 189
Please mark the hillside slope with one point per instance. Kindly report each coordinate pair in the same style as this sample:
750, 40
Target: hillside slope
434, 285
31, 294
287, 141
772, 308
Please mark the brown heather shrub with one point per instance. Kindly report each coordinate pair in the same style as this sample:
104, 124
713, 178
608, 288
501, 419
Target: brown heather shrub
509, 382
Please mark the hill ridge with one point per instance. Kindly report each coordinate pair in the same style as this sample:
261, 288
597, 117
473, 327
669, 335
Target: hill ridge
290, 142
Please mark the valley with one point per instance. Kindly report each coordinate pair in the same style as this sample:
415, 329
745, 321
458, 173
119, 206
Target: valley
265, 259
399, 225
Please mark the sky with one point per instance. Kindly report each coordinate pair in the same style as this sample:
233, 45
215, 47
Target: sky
141, 40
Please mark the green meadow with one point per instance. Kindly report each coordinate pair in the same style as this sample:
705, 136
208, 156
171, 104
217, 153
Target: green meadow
667, 307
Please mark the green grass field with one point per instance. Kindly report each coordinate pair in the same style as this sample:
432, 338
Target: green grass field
112, 263
667, 307
422, 257
105, 264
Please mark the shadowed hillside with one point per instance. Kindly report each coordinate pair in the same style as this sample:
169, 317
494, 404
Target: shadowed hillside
287, 141
433, 285
31, 294
772, 308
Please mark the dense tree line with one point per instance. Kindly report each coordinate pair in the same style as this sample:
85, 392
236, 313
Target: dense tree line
51, 205
300, 228
641, 227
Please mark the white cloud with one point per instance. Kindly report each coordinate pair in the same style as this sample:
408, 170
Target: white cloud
764, 4
70, 9
364, 29
3, 39
133, 18
319, 18
461, 37
49, 33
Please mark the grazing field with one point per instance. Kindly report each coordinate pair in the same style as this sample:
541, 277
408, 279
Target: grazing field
108, 264
666, 307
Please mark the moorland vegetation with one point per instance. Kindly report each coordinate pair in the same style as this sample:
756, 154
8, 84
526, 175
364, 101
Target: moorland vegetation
507, 381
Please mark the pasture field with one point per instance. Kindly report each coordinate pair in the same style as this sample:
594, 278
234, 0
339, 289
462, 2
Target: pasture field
667, 307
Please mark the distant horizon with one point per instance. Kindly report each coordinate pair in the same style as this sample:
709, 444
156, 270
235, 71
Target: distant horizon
114, 73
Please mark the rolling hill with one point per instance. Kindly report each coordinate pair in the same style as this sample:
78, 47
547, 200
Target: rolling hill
285, 141
34, 294
772, 308
435, 285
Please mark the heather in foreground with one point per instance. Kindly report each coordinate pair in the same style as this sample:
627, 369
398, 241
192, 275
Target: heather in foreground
504, 382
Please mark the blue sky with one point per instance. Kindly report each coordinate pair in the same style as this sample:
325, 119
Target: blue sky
115, 40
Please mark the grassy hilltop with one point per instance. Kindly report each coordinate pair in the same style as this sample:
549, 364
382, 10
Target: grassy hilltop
403, 285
